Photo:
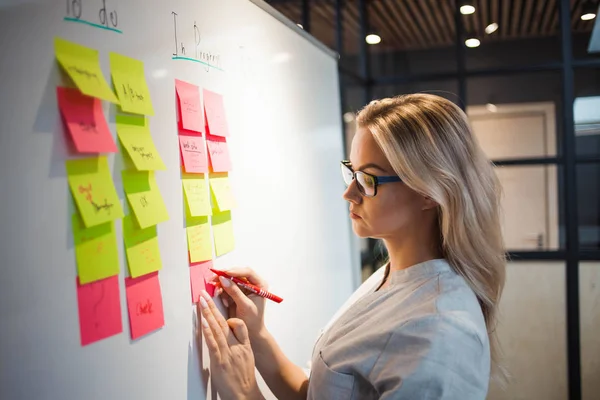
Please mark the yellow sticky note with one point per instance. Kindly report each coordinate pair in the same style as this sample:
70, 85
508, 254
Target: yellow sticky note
95, 250
196, 195
221, 192
198, 236
144, 198
134, 134
223, 232
83, 67
130, 84
141, 247
93, 190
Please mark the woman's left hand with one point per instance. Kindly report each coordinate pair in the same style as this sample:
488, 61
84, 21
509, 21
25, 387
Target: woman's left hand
231, 357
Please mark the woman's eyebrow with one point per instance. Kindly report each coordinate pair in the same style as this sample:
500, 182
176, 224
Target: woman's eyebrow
370, 165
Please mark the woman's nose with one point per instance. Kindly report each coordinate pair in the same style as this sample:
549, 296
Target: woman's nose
351, 194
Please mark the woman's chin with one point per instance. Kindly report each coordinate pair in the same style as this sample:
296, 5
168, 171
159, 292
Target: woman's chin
360, 230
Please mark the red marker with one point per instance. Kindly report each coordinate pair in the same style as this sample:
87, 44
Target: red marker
248, 286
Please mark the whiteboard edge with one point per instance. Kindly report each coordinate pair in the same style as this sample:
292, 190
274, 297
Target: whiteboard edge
286, 21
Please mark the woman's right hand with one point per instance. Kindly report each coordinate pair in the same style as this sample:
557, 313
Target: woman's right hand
248, 307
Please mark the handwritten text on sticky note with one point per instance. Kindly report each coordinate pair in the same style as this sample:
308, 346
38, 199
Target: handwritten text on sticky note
83, 67
193, 152
189, 104
214, 109
134, 134
85, 122
130, 83
144, 304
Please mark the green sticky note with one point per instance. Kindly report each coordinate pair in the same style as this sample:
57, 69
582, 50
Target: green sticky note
223, 232
95, 250
196, 196
130, 84
93, 189
83, 67
199, 241
134, 134
147, 205
221, 192
141, 247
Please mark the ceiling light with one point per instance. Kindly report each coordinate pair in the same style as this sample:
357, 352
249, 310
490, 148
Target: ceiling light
472, 42
588, 11
588, 16
491, 107
491, 28
373, 38
467, 7
348, 117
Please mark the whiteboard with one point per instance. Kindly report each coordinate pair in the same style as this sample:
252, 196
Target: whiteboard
291, 224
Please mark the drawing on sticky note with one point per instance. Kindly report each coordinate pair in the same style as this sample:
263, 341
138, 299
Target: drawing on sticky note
93, 190
99, 309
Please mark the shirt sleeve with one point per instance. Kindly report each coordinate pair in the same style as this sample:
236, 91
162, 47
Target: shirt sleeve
434, 357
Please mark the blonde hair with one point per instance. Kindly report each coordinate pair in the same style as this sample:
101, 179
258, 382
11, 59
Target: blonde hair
429, 143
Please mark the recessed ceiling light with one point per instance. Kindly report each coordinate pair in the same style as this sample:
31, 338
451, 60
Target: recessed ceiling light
588, 16
491, 28
467, 8
588, 11
491, 107
472, 42
373, 38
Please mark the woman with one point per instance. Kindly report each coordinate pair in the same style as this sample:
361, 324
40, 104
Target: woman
422, 327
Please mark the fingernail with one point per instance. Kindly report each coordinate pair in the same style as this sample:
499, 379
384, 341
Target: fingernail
225, 302
225, 282
203, 302
205, 294
204, 323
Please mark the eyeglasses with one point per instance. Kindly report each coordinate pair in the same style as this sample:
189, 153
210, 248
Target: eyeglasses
366, 183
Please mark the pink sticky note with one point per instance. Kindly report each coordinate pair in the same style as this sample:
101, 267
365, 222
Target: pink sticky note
84, 119
214, 112
199, 272
144, 303
189, 105
193, 152
218, 153
99, 309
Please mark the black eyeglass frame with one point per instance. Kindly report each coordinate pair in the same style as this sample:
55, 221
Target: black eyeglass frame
377, 179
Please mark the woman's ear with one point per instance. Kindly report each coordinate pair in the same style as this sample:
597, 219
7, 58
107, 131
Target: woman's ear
428, 203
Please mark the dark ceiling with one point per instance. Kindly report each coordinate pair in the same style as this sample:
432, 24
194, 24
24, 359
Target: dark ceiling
427, 24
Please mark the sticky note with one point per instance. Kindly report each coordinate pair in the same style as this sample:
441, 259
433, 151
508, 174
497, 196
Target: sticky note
218, 154
84, 119
223, 232
144, 304
193, 152
141, 247
214, 110
221, 192
198, 237
198, 279
144, 197
93, 189
95, 250
99, 305
189, 104
196, 195
83, 67
134, 134
130, 84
